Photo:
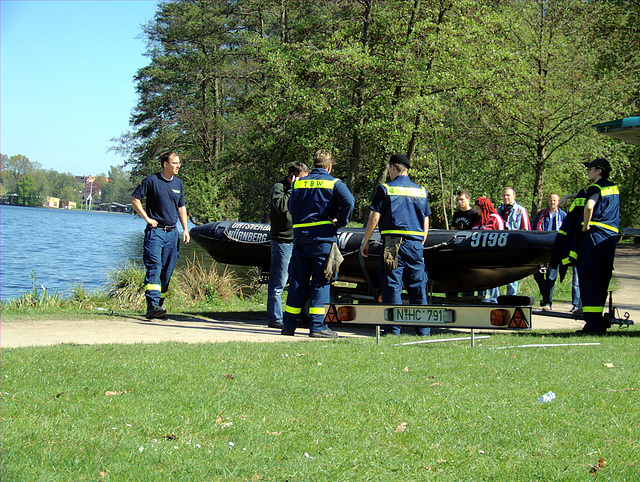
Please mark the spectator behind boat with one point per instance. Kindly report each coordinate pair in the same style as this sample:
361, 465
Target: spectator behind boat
550, 219
514, 216
465, 216
488, 218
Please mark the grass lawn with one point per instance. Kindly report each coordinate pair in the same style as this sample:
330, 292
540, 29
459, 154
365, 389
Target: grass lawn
324, 410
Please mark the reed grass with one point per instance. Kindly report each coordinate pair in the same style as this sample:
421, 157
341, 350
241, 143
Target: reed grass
125, 286
38, 298
198, 282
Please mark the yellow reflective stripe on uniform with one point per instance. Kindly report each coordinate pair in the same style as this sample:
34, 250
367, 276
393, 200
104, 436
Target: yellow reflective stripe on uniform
306, 225
405, 191
560, 231
394, 231
314, 183
316, 311
603, 226
578, 202
609, 191
152, 287
572, 257
592, 309
292, 310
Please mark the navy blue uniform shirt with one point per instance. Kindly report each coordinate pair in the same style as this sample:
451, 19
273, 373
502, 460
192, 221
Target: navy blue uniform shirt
315, 199
163, 198
403, 206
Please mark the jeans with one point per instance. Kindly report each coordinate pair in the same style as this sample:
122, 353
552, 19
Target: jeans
161, 251
411, 273
278, 275
575, 288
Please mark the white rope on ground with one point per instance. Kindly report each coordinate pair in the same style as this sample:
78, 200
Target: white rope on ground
464, 338
543, 345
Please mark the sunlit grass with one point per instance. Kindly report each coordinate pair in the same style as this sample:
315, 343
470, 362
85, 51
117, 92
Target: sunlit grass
338, 410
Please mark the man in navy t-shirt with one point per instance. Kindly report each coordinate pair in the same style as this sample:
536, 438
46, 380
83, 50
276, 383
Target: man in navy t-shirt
165, 206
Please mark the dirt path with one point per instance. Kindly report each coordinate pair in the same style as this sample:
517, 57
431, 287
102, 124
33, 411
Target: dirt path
251, 327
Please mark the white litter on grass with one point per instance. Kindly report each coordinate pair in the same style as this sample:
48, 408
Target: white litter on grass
547, 397
542, 345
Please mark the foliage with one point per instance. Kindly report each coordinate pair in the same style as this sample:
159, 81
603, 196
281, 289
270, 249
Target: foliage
118, 186
344, 410
31, 183
28, 191
479, 94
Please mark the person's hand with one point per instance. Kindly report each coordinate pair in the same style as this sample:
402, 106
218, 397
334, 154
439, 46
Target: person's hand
186, 237
152, 222
364, 250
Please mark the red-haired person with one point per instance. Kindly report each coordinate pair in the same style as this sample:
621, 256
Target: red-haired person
488, 218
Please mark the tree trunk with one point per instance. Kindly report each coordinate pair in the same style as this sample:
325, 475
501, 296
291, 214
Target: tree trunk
356, 145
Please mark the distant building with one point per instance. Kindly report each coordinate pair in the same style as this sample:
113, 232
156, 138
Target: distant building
91, 189
67, 205
9, 199
51, 202
115, 207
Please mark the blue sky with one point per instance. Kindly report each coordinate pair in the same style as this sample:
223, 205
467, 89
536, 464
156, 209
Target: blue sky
66, 79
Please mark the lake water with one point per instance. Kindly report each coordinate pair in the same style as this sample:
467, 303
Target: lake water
65, 247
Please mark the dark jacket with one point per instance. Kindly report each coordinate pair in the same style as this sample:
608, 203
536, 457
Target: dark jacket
281, 225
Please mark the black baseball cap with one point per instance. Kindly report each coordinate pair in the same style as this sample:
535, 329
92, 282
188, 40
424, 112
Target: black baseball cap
400, 159
599, 163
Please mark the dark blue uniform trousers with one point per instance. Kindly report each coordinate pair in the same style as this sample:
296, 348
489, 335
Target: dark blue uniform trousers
160, 256
595, 266
307, 262
410, 271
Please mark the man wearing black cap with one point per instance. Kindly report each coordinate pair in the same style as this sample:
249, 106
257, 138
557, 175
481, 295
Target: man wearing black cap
598, 244
402, 209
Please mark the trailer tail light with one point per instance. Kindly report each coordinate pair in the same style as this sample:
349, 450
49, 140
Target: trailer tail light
346, 313
499, 317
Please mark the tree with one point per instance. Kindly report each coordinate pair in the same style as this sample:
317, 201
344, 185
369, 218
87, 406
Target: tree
119, 187
64, 186
27, 191
479, 94
14, 168
549, 90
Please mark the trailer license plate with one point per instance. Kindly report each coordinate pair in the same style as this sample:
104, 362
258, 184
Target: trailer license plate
424, 315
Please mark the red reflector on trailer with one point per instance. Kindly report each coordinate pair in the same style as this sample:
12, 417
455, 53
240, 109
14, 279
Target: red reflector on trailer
346, 313
499, 317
